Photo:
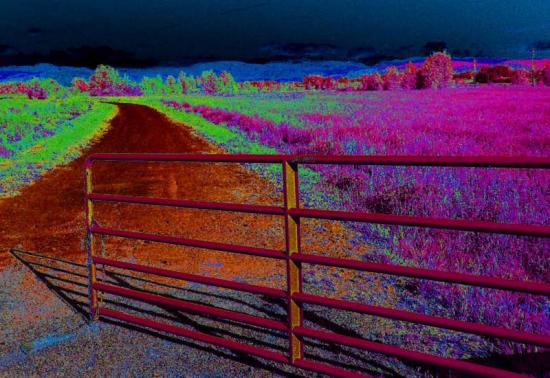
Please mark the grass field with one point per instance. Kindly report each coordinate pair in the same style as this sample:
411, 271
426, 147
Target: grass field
459, 122
489, 120
38, 135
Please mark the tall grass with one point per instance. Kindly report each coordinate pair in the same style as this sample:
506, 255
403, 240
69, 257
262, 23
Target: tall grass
461, 122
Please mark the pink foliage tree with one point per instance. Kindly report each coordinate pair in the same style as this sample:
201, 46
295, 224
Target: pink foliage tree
521, 76
374, 82
408, 77
546, 75
437, 71
392, 79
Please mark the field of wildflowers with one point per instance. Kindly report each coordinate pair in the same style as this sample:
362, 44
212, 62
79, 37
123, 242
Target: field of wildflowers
459, 121
418, 109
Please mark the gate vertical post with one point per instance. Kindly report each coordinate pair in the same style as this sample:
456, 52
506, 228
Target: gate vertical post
294, 269
92, 278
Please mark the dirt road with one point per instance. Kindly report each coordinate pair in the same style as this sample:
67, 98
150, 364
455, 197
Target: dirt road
48, 216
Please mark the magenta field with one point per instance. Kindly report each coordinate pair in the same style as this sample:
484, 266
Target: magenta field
478, 121
423, 110
275, 188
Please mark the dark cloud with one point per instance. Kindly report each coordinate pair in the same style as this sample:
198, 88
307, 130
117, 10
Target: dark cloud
434, 46
83, 56
303, 51
34, 31
542, 45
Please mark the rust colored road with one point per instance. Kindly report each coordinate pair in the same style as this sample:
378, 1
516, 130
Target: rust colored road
48, 216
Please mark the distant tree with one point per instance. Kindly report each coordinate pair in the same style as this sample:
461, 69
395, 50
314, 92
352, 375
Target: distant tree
80, 84
464, 77
436, 71
391, 78
546, 74
169, 87
152, 85
209, 82
521, 76
494, 74
375, 82
187, 83
106, 81
408, 78
227, 83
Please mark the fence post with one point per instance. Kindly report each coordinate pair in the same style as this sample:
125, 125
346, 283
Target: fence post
92, 293
294, 269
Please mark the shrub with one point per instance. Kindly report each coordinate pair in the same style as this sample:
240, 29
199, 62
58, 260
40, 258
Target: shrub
209, 82
521, 76
408, 78
151, 85
80, 84
32, 89
170, 86
463, 77
494, 74
106, 81
187, 83
227, 84
500, 74
546, 75
375, 82
391, 78
437, 71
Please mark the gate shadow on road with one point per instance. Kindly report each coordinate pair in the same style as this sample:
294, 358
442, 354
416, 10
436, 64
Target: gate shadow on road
68, 280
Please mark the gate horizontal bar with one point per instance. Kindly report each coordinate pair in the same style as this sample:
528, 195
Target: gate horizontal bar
426, 222
434, 321
261, 252
242, 208
535, 288
191, 307
426, 161
208, 158
395, 351
395, 160
268, 291
328, 369
195, 335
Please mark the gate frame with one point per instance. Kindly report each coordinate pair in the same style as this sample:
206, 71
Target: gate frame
294, 257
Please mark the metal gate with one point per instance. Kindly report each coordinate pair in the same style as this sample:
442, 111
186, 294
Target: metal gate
295, 297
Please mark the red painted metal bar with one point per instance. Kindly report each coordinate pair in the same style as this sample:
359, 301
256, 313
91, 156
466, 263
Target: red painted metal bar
427, 222
425, 358
425, 161
242, 208
260, 252
268, 291
434, 321
434, 161
195, 335
328, 369
207, 158
535, 288
191, 307
294, 258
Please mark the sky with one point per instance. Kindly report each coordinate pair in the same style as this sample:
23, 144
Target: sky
149, 32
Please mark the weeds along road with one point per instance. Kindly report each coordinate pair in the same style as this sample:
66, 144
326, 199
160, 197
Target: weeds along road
48, 216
